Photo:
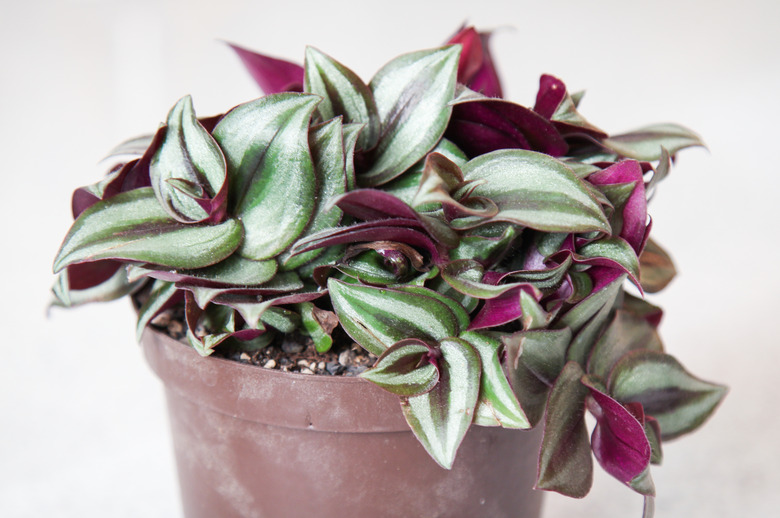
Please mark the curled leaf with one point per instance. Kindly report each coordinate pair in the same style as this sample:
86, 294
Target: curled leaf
405, 369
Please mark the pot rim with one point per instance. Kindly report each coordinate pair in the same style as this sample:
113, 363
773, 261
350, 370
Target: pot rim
286, 399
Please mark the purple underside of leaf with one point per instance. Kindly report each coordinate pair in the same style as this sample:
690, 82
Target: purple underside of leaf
619, 442
132, 175
238, 297
81, 201
475, 68
185, 281
481, 126
86, 275
502, 309
472, 55
272, 75
373, 204
486, 80
399, 230
475, 138
552, 93
602, 276
635, 211
603, 263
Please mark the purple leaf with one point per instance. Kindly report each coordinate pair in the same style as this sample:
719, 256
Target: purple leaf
479, 126
619, 442
554, 103
271, 74
86, 275
128, 176
503, 309
400, 230
475, 67
373, 204
634, 214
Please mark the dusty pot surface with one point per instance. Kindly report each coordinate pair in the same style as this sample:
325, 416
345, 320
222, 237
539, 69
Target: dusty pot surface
253, 442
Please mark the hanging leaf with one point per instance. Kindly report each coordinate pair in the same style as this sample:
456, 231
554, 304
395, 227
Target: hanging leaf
656, 266
649, 143
542, 351
441, 417
162, 295
412, 93
565, 462
626, 332
405, 369
679, 401
115, 286
619, 442
270, 171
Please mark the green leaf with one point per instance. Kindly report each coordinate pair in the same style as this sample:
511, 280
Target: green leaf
679, 401
237, 271
627, 332
441, 417
404, 369
133, 226
529, 390
327, 149
376, 318
343, 94
412, 93
282, 319
581, 313
461, 315
464, 275
405, 186
542, 351
114, 287
535, 190
188, 165
583, 342
656, 267
647, 143
350, 135
161, 294
615, 249
534, 316
497, 405
485, 244
565, 462
319, 325
270, 170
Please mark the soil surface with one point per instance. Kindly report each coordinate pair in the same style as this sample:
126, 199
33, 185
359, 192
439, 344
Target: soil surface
288, 352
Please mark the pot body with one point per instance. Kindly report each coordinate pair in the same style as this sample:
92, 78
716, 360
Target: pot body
257, 443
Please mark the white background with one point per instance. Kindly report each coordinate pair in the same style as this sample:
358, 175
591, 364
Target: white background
83, 431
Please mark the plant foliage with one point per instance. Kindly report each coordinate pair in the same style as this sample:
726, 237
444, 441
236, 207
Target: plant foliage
478, 247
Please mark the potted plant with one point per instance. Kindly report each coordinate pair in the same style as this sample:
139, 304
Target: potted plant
479, 265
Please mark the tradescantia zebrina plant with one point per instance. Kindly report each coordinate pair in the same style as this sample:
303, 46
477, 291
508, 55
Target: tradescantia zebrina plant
479, 248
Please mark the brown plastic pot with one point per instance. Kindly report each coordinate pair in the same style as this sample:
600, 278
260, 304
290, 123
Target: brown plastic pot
252, 442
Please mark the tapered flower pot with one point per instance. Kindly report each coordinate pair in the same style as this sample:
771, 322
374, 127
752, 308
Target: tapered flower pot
251, 442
